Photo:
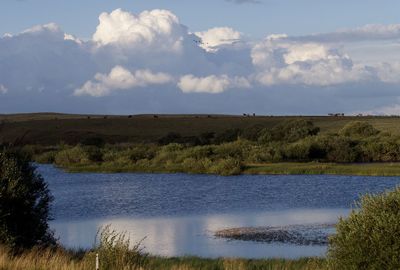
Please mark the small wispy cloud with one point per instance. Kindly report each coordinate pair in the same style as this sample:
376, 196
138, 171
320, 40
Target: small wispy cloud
244, 1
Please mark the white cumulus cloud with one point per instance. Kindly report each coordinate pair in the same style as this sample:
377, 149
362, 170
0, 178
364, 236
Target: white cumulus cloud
120, 78
157, 28
211, 84
218, 36
282, 61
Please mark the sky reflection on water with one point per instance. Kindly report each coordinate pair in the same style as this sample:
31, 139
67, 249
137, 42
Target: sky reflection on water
178, 213
193, 235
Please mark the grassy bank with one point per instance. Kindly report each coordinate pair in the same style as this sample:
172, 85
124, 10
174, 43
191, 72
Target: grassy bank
367, 169
284, 168
69, 260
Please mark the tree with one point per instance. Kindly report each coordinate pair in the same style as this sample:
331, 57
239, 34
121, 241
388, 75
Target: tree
24, 202
370, 237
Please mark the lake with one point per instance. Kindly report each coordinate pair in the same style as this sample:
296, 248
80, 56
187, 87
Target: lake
177, 214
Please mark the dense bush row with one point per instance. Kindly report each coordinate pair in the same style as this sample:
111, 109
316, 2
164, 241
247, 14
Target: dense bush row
227, 153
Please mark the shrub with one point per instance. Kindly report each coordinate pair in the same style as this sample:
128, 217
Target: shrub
370, 237
358, 129
228, 166
292, 131
342, 149
380, 149
199, 152
141, 152
258, 153
169, 152
24, 203
93, 153
235, 149
72, 156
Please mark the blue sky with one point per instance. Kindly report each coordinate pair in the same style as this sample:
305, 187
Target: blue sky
293, 17
210, 56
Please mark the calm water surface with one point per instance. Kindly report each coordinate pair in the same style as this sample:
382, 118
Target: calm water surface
178, 213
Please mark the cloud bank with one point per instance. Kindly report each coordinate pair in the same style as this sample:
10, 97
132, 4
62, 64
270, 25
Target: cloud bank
121, 79
211, 84
151, 62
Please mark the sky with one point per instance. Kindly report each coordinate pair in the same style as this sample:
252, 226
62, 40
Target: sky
270, 57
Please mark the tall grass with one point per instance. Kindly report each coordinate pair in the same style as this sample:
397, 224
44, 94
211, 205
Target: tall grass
116, 253
68, 260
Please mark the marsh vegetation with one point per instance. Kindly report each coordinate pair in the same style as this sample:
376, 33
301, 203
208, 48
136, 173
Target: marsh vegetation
290, 147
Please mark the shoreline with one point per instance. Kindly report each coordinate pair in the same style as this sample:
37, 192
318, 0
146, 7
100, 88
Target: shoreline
282, 168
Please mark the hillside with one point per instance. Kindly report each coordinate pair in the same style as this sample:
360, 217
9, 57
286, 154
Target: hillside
52, 128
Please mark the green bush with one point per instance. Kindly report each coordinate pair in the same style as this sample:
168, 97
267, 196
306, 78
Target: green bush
141, 152
235, 149
258, 154
358, 129
199, 152
380, 149
228, 166
72, 156
24, 203
299, 151
370, 237
292, 131
93, 153
342, 149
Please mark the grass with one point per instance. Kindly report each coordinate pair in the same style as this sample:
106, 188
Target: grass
370, 169
60, 259
282, 168
52, 129
115, 251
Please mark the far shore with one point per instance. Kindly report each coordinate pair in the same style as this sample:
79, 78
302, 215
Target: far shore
281, 168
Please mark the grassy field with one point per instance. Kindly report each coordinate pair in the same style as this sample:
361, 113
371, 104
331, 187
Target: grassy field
51, 129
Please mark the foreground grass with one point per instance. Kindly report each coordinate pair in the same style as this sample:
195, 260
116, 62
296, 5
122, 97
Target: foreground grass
367, 169
61, 259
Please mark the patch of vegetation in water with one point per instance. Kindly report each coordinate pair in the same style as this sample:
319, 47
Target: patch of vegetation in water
315, 234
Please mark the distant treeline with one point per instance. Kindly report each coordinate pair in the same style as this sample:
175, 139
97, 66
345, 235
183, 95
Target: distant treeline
230, 151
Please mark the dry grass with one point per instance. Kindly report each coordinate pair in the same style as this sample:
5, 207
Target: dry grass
42, 260
67, 260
